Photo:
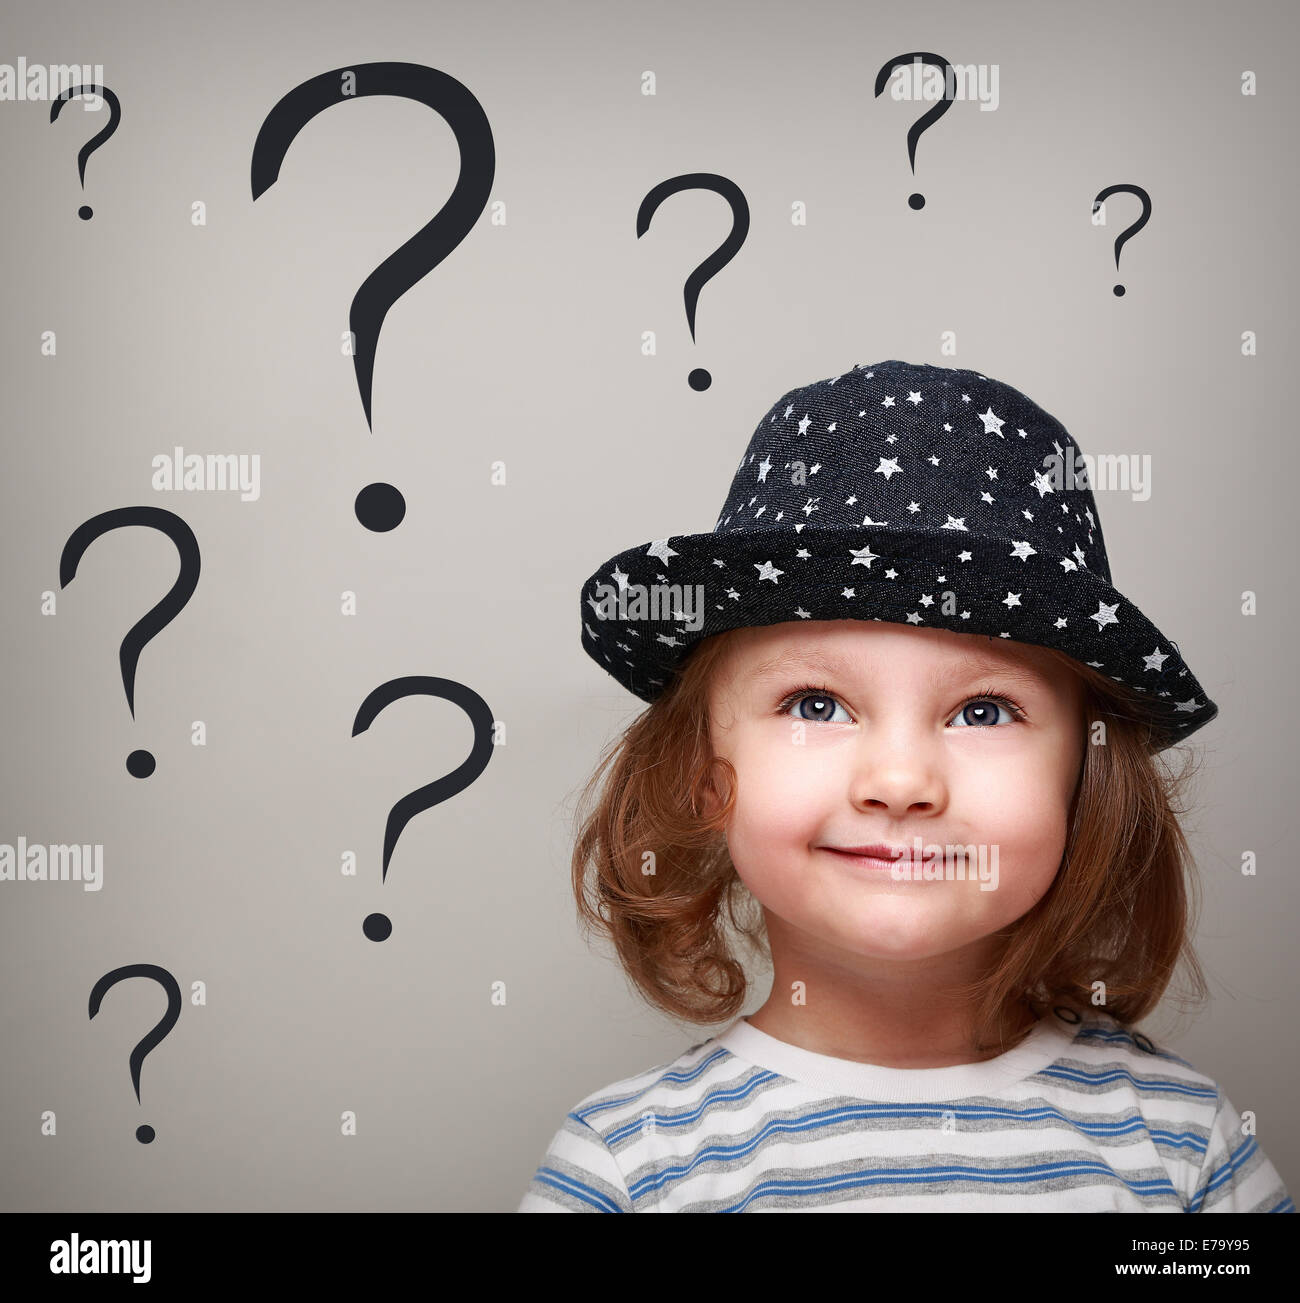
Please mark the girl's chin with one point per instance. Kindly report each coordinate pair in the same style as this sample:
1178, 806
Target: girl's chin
911, 934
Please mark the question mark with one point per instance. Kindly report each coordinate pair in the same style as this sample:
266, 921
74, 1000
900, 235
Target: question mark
378, 926
144, 1134
1132, 230
85, 212
139, 764
917, 201
380, 507
700, 379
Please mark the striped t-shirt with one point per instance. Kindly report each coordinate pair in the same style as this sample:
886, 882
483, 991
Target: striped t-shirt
1086, 1117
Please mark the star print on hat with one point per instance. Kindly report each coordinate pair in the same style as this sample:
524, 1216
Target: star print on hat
909, 493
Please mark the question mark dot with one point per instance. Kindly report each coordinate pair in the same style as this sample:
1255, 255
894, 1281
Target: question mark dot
916, 201
378, 927
699, 379
380, 507
85, 212
139, 764
144, 1134
1119, 291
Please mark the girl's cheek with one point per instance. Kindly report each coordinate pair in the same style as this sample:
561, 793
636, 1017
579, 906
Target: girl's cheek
1008, 789
782, 786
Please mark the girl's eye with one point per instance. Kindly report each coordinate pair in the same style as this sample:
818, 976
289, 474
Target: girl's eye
818, 706
983, 711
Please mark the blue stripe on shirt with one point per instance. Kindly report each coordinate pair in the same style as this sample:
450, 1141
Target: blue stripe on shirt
1041, 1172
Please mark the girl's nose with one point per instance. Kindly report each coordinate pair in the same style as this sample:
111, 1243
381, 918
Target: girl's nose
896, 778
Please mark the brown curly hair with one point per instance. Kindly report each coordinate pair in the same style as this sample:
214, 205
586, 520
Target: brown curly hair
651, 869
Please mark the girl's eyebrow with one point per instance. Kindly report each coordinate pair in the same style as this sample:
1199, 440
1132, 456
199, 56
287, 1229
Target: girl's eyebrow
968, 667
795, 658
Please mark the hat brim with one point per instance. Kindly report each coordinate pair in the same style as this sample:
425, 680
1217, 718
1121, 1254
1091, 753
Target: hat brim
926, 578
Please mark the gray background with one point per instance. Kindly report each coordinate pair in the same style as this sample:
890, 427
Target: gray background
524, 346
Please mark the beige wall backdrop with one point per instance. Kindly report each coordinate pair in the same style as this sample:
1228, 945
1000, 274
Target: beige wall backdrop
525, 347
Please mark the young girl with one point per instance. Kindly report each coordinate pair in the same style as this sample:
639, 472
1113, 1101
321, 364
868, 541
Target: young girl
904, 743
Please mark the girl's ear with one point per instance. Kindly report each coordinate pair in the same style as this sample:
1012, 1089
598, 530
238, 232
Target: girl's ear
705, 800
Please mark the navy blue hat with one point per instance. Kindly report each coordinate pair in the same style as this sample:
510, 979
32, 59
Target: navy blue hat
915, 494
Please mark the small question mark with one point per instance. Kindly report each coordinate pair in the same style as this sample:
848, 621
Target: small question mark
699, 378
1132, 230
85, 212
139, 764
144, 1134
928, 119
378, 926
380, 507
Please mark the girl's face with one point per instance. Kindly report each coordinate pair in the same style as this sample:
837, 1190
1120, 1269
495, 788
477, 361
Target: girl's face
848, 733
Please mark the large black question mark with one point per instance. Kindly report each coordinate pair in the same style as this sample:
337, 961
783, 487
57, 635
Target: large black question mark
85, 212
917, 201
139, 764
378, 926
1129, 231
699, 378
145, 1133
381, 507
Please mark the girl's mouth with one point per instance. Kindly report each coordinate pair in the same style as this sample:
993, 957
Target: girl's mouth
877, 856
877, 851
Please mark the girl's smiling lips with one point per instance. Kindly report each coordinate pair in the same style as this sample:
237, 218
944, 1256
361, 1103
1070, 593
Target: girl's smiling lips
878, 852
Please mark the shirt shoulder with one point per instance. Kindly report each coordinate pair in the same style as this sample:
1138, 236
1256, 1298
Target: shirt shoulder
1212, 1155
581, 1171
